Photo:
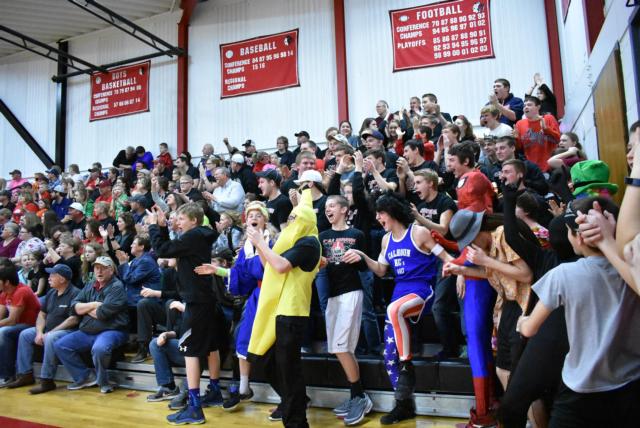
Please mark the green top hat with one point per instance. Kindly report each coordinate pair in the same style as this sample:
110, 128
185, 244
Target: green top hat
591, 174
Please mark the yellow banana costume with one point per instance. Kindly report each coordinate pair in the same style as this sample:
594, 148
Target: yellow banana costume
285, 293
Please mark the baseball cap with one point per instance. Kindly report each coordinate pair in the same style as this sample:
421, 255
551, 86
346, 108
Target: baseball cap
465, 226
53, 171
237, 158
339, 138
77, 206
15, 171
249, 143
309, 175
105, 261
104, 183
302, 134
375, 134
59, 189
62, 270
271, 174
137, 198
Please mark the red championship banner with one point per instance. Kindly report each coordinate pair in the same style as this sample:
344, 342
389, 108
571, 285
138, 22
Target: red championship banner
441, 33
120, 91
261, 64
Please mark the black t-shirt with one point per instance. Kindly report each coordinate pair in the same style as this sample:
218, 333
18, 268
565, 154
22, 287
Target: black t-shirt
434, 209
279, 210
391, 159
371, 185
57, 307
425, 165
75, 263
35, 278
343, 277
193, 172
105, 222
318, 208
304, 254
77, 229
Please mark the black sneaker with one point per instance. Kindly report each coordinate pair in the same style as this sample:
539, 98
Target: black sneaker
235, 399
276, 415
141, 356
212, 398
163, 393
404, 409
179, 402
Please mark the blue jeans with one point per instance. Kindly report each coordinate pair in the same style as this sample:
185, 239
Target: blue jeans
165, 357
322, 286
69, 348
370, 328
49, 360
8, 348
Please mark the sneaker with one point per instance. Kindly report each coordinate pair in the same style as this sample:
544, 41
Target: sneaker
212, 398
360, 406
235, 399
189, 415
5, 382
404, 409
22, 380
179, 402
343, 409
163, 393
475, 421
108, 388
46, 385
141, 356
276, 415
463, 352
87, 382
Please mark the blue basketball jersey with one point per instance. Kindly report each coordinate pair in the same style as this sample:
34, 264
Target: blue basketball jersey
415, 270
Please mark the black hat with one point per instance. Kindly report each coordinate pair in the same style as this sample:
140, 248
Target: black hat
271, 174
302, 134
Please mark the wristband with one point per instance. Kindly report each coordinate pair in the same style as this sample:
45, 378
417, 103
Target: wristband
437, 249
632, 181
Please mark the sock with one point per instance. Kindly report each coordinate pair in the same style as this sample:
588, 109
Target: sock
356, 389
244, 384
213, 384
194, 397
171, 386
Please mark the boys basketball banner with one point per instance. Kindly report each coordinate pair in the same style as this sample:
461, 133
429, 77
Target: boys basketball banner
120, 91
441, 33
260, 64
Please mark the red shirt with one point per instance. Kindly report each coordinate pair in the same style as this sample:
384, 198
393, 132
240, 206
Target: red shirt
538, 143
165, 158
429, 147
23, 297
475, 192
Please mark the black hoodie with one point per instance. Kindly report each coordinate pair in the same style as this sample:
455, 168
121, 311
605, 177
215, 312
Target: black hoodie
191, 249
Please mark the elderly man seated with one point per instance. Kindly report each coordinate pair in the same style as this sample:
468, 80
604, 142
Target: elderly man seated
54, 322
102, 306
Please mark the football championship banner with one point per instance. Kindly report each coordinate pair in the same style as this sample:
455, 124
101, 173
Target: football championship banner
120, 91
260, 64
441, 33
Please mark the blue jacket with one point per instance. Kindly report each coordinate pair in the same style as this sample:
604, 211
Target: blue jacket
140, 272
62, 208
245, 274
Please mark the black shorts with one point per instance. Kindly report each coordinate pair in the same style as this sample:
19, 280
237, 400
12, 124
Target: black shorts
204, 327
509, 340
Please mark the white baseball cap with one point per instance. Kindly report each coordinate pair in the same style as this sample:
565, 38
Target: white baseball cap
309, 175
77, 206
237, 158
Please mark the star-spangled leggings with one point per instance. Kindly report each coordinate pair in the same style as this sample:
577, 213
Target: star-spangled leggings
397, 337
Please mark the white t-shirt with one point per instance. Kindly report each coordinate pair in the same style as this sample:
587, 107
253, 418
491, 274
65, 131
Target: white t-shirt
603, 323
503, 130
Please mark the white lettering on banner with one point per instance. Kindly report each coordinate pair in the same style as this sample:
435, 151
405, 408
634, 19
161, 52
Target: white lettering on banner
262, 47
119, 83
438, 11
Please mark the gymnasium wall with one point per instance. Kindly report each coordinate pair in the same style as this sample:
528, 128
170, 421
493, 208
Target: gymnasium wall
519, 42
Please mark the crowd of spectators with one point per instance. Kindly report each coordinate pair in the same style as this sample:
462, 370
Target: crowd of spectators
85, 266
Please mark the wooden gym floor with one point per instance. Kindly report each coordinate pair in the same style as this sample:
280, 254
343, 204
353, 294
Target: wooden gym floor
127, 408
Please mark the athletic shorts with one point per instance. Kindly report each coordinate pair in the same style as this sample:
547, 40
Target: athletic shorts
343, 317
509, 340
205, 329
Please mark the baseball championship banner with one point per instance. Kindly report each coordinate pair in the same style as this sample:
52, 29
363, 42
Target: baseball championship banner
120, 91
260, 64
441, 33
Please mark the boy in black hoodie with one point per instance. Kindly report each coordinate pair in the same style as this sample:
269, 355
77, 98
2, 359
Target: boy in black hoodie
203, 321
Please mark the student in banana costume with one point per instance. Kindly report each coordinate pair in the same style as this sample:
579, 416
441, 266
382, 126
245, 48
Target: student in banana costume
283, 307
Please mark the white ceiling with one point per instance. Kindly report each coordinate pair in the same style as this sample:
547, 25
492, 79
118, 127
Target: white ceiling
49, 21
